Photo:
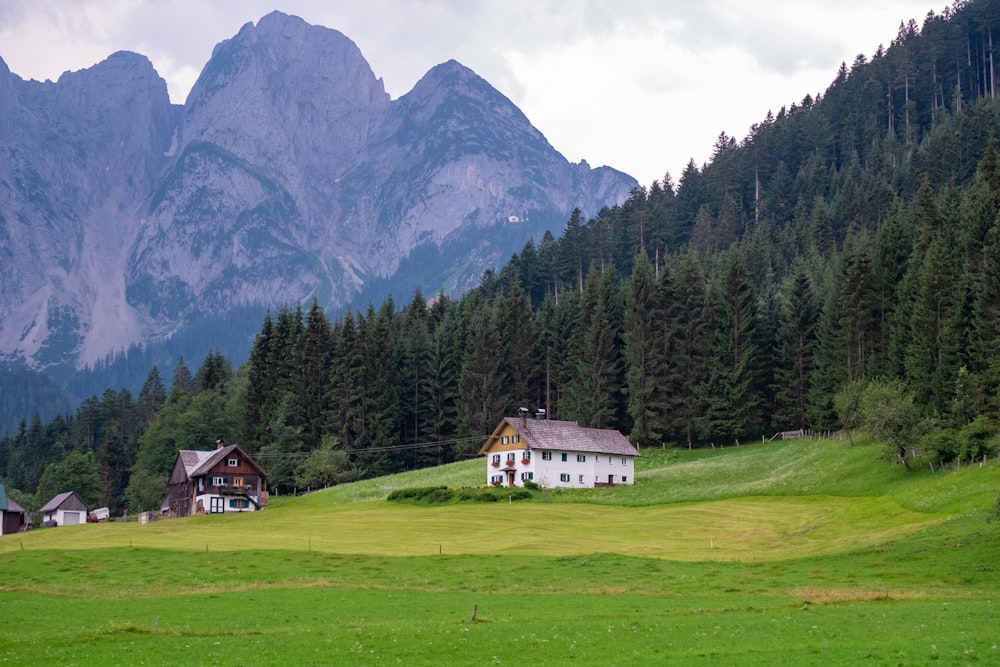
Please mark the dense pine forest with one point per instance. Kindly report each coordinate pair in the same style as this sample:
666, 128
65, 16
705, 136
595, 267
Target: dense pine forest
839, 267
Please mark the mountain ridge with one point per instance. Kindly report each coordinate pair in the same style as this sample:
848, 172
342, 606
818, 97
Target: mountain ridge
288, 174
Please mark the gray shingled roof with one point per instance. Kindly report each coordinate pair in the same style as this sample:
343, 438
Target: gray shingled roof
209, 461
12, 506
57, 501
192, 458
570, 436
197, 462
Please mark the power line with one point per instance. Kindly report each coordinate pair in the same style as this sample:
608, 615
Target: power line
387, 448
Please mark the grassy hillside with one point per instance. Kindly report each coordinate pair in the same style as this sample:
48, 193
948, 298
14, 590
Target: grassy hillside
805, 552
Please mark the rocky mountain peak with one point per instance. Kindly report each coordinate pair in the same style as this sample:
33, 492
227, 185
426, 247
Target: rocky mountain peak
288, 174
277, 87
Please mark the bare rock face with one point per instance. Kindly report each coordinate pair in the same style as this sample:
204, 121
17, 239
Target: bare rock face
288, 174
77, 158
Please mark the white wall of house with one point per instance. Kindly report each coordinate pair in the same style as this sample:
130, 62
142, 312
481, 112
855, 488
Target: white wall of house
560, 469
214, 504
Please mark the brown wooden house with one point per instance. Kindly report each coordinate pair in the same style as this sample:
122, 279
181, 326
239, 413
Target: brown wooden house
13, 518
222, 480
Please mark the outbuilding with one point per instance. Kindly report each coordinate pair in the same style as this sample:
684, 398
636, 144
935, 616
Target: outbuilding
13, 518
65, 509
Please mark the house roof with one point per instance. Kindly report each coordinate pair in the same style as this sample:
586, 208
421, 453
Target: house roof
12, 506
58, 500
192, 458
197, 462
5, 502
565, 436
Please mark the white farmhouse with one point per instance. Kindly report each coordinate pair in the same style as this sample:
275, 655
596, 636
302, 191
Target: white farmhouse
555, 453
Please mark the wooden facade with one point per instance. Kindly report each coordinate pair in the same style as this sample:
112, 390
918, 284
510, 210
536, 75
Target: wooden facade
223, 480
13, 518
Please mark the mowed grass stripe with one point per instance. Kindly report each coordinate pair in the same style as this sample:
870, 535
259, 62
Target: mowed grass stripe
754, 528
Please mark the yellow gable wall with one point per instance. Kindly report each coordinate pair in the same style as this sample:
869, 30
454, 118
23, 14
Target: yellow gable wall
507, 430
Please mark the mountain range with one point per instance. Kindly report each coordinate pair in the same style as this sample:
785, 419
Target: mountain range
288, 174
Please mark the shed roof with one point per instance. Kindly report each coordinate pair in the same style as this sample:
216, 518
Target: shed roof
12, 506
565, 435
60, 499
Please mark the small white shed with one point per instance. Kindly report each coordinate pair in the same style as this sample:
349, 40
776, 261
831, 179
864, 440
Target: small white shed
65, 509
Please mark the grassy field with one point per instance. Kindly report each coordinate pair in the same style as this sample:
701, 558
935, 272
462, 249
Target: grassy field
802, 552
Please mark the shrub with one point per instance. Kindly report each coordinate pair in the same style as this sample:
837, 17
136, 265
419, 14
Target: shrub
940, 447
976, 439
440, 495
414, 493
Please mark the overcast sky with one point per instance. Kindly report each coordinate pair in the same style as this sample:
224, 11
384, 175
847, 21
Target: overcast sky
640, 85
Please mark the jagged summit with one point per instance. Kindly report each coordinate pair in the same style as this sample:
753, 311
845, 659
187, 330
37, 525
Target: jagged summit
288, 174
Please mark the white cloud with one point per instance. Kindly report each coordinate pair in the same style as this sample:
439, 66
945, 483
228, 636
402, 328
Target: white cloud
640, 85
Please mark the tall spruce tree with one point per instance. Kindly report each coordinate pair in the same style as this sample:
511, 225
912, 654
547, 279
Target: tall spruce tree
593, 391
734, 405
644, 354
686, 331
797, 338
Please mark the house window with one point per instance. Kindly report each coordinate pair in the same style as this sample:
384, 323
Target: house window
564, 477
218, 481
526, 457
238, 503
515, 438
581, 479
581, 458
624, 461
597, 458
624, 479
546, 456
527, 475
233, 463
496, 479
510, 458
504, 439
496, 458
237, 481
564, 456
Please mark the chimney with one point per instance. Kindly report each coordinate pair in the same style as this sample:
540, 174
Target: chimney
219, 444
540, 413
523, 414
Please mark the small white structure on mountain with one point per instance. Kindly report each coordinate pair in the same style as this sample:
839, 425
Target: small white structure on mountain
554, 453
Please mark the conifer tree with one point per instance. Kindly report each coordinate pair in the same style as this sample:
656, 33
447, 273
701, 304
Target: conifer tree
414, 349
315, 354
182, 379
344, 384
797, 350
481, 401
152, 396
440, 392
514, 331
644, 353
734, 406
686, 331
590, 397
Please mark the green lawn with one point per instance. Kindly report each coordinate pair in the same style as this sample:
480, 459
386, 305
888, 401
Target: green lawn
802, 552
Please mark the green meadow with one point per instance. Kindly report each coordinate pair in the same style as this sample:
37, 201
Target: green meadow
792, 553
